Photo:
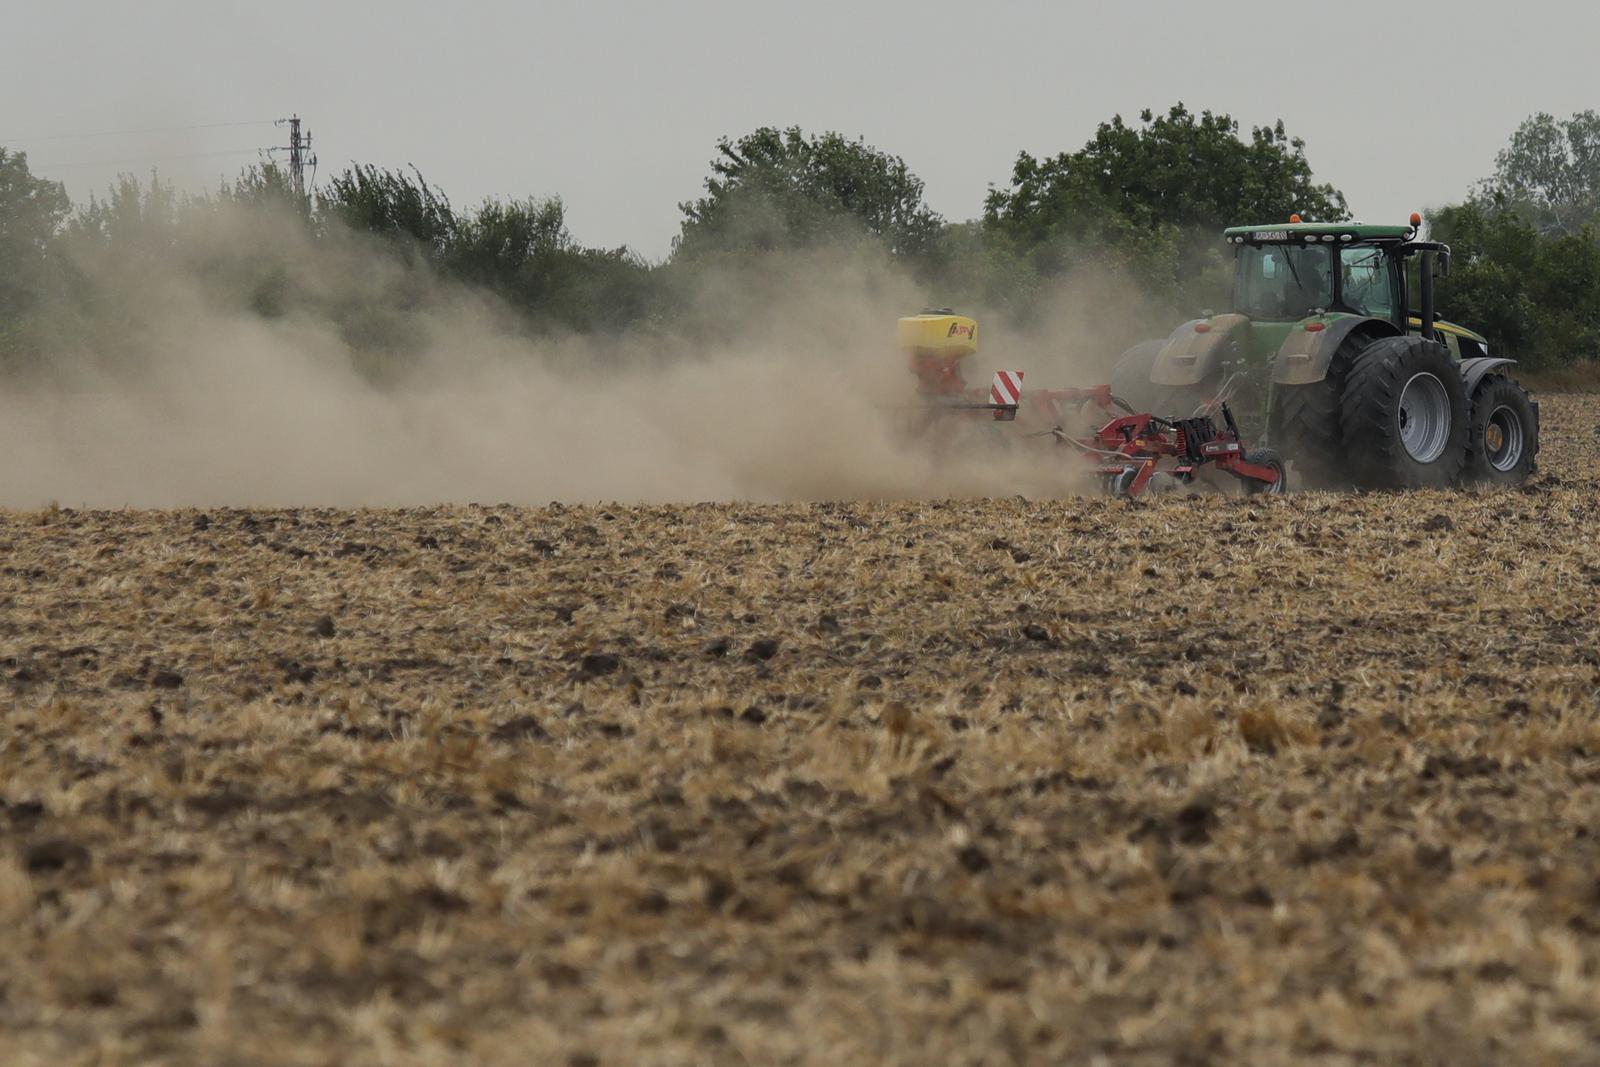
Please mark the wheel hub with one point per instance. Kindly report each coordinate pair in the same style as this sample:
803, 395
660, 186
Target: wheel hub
1503, 439
1424, 417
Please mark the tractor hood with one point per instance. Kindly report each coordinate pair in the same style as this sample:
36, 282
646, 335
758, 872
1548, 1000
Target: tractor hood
1451, 328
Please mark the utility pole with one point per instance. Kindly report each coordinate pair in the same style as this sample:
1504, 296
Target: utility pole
299, 149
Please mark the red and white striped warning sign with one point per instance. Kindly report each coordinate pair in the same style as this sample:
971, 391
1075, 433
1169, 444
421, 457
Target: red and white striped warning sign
1007, 388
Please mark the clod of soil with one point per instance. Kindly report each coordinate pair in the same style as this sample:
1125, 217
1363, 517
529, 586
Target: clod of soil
1439, 523
598, 664
763, 649
521, 728
974, 860
54, 854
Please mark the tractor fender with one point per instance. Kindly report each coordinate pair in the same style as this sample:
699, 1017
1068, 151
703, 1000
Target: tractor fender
1190, 352
1474, 370
1305, 356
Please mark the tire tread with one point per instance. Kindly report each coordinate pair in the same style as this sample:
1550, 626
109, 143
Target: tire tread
1371, 391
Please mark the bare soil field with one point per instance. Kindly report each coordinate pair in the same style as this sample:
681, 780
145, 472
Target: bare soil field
1301, 780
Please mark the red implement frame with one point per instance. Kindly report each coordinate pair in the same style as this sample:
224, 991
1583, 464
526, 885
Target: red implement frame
1135, 447
1129, 450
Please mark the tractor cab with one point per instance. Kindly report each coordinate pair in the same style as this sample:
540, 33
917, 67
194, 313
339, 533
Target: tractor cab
1285, 281
1283, 274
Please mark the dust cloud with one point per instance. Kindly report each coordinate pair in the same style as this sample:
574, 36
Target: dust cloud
193, 398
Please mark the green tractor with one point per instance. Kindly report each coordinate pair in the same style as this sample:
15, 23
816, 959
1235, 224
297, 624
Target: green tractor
1323, 356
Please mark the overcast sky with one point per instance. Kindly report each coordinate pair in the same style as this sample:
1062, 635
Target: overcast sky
617, 106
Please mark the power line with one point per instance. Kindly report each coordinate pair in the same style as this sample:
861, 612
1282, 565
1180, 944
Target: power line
299, 149
146, 129
42, 167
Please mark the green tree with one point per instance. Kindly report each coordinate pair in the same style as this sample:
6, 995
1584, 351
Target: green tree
1535, 296
500, 240
132, 220
1181, 169
393, 204
969, 266
265, 185
1150, 199
523, 251
778, 188
32, 211
1550, 172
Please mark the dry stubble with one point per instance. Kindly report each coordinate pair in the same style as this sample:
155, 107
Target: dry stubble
1309, 780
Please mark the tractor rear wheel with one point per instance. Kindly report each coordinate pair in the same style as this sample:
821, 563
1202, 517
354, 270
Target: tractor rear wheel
1504, 442
1405, 416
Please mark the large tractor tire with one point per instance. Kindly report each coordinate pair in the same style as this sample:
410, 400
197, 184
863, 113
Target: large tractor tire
1307, 421
1405, 416
1130, 380
1503, 446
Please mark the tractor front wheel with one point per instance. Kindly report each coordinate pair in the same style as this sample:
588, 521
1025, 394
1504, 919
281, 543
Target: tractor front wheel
1504, 442
1405, 416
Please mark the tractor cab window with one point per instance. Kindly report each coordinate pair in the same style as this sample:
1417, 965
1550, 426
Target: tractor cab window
1283, 282
1366, 285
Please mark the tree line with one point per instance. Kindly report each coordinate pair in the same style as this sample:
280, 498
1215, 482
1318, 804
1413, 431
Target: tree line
1141, 201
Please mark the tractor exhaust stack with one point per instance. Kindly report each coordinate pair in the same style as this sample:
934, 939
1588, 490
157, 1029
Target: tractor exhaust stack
1426, 271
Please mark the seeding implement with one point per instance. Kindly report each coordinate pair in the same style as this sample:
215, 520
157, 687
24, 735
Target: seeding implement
1127, 452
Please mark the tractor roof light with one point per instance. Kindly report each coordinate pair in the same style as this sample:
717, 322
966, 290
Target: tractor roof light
1416, 220
1294, 218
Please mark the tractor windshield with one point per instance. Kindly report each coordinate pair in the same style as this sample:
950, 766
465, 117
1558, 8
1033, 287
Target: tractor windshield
1366, 285
1282, 282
